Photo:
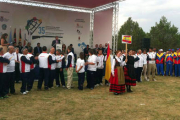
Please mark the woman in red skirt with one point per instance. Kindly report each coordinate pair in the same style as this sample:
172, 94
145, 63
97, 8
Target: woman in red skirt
117, 80
129, 71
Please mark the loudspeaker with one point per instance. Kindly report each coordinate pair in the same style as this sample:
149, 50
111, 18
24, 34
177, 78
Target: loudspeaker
146, 43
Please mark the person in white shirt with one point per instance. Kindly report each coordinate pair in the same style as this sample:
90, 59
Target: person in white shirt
69, 68
17, 61
145, 64
59, 68
44, 71
92, 66
25, 63
140, 65
10, 70
80, 70
100, 67
3, 69
34, 61
52, 66
152, 64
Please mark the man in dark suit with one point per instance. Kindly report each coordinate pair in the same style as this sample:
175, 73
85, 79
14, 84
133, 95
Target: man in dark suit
37, 50
56, 41
20, 47
86, 52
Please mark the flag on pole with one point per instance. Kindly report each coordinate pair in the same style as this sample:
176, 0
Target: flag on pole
10, 37
24, 40
15, 35
108, 65
20, 35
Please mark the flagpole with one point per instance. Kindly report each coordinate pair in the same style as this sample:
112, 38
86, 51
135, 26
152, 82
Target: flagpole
126, 50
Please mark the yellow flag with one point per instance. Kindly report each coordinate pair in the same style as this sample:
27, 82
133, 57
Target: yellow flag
108, 65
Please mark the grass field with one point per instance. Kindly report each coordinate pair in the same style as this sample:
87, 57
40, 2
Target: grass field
158, 100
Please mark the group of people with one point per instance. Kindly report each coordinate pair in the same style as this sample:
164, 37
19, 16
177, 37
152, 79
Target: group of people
127, 68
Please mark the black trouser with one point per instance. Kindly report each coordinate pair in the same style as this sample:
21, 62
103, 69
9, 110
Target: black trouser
138, 73
9, 83
99, 75
25, 77
2, 84
81, 77
90, 79
43, 75
61, 74
30, 80
17, 72
52, 76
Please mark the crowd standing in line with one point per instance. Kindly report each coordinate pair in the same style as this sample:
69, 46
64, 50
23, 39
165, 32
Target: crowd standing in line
27, 64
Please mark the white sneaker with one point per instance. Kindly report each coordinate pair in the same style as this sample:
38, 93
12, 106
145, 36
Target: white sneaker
154, 80
63, 86
23, 93
147, 80
107, 84
27, 91
57, 85
96, 85
101, 84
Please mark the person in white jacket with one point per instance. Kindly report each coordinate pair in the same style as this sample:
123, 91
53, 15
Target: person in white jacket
139, 65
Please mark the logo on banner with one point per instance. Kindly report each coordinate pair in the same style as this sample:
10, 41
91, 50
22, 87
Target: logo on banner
126, 39
79, 26
80, 20
82, 45
2, 19
79, 32
4, 26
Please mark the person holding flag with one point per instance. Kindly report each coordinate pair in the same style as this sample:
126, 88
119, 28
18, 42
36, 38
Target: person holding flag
117, 79
129, 71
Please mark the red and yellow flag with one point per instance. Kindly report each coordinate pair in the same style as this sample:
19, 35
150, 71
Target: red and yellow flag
108, 65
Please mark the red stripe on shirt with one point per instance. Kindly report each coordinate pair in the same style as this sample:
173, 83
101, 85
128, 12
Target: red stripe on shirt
1, 67
49, 66
22, 67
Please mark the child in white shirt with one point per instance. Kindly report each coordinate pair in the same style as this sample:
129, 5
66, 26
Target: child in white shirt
80, 70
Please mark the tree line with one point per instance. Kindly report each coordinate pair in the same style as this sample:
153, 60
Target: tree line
163, 35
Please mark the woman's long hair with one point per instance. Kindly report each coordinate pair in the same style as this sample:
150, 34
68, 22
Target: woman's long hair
4, 36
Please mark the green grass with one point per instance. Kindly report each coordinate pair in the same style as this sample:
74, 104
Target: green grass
158, 100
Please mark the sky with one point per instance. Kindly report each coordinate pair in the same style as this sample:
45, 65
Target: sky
148, 12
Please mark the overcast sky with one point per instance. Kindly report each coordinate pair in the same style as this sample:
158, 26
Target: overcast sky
147, 12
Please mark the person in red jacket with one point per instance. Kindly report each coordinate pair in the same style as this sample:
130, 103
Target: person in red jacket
177, 62
159, 62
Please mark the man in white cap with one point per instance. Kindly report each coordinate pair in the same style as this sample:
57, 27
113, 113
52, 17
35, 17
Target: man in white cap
159, 62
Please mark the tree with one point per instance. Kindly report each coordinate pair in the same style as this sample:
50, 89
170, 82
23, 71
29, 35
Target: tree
164, 35
131, 28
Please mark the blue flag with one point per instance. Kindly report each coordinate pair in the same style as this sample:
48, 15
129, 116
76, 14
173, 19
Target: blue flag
10, 37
